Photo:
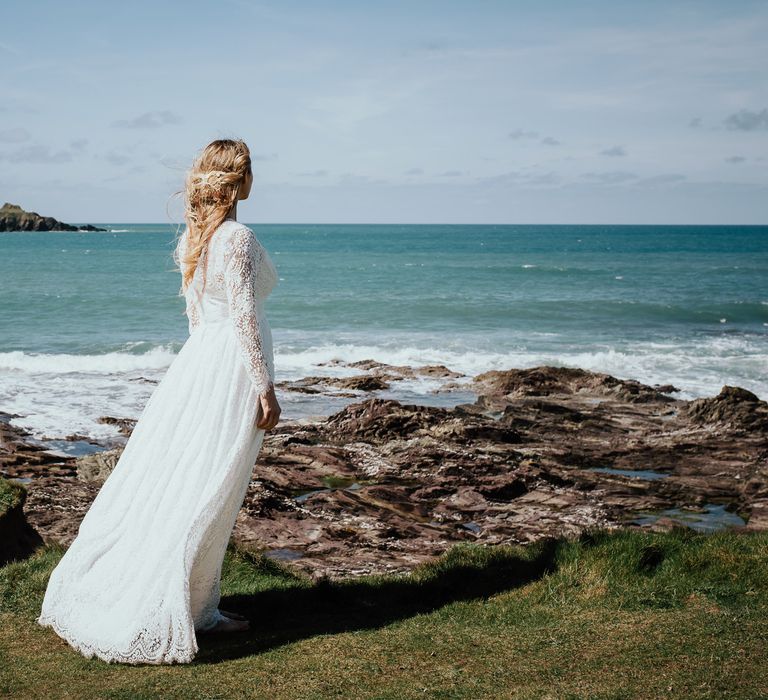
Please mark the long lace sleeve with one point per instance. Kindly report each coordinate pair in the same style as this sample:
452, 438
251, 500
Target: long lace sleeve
243, 259
193, 317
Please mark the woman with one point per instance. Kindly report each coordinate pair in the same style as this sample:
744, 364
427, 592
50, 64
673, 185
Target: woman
141, 578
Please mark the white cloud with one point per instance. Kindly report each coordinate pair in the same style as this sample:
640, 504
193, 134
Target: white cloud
614, 151
746, 120
149, 120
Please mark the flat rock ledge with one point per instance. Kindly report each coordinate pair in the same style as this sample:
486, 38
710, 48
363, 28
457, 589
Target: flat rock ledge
380, 486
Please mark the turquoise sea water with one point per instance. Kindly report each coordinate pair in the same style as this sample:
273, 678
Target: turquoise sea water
86, 318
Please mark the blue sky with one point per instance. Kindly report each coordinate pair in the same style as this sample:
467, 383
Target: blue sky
444, 112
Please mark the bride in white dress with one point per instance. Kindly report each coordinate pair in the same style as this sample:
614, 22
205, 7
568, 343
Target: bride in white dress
142, 577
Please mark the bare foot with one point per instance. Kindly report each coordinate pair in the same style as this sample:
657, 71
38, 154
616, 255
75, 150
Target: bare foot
233, 615
227, 625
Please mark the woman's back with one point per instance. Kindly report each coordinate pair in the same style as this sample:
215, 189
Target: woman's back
233, 261
239, 276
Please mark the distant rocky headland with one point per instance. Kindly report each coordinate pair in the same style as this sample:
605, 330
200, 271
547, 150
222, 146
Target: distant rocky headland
381, 486
14, 218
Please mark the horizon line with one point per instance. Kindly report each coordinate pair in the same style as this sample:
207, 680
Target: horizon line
394, 223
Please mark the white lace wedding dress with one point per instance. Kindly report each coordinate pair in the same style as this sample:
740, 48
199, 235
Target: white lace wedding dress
142, 576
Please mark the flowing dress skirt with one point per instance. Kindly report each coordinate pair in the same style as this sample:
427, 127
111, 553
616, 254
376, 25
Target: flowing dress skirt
142, 575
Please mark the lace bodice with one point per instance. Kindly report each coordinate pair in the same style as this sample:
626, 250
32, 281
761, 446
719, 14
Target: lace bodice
239, 275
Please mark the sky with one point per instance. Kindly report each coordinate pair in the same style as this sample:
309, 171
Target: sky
399, 112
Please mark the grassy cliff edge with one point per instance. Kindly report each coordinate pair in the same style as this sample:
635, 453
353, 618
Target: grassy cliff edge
610, 614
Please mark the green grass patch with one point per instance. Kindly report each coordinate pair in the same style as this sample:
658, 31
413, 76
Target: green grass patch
611, 614
11, 494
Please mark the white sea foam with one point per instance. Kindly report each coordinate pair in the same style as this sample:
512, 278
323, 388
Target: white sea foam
56, 395
107, 363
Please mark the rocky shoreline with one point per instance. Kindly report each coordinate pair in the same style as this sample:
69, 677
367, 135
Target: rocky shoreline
381, 486
14, 218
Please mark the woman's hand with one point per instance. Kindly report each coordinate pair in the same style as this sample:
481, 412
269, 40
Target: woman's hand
268, 411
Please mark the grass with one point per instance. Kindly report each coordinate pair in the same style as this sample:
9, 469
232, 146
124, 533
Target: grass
11, 494
610, 615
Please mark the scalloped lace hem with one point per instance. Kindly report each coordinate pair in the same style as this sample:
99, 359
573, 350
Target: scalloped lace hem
139, 651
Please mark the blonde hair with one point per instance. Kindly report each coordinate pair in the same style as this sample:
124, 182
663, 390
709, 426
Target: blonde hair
210, 191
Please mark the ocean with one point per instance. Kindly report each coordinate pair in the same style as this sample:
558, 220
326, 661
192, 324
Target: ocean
90, 321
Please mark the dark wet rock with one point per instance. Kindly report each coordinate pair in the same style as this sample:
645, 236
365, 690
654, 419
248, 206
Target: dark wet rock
124, 425
383, 420
547, 380
380, 486
78, 437
23, 457
375, 367
143, 380
733, 407
318, 384
437, 371
301, 386
379, 376
14, 218
361, 382
399, 371
666, 388
505, 489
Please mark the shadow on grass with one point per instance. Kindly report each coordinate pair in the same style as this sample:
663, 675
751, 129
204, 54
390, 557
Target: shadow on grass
280, 616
